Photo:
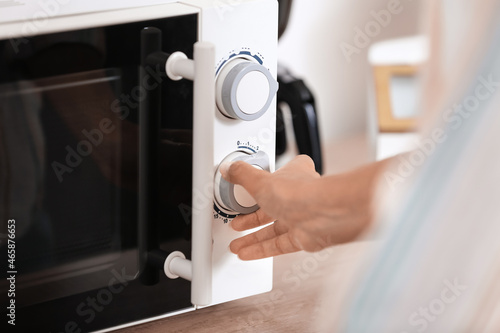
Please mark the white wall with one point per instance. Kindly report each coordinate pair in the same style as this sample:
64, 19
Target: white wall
311, 49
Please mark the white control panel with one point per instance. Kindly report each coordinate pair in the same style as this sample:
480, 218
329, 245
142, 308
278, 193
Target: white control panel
245, 37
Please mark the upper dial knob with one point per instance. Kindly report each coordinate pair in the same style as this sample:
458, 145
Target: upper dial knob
235, 198
244, 89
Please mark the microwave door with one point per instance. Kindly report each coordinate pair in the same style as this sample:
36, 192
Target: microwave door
69, 175
72, 229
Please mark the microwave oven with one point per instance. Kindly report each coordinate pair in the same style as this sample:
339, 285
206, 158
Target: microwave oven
114, 118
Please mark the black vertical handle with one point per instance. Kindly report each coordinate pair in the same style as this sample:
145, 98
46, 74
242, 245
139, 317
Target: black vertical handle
299, 98
152, 60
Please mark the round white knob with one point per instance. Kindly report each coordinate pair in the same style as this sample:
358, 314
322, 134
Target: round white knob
244, 89
242, 196
234, 198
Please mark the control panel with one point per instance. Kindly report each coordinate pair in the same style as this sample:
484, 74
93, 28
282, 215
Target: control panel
241, 126
244, 129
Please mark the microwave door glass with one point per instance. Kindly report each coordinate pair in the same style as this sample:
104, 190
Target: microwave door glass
62, 180
69, 174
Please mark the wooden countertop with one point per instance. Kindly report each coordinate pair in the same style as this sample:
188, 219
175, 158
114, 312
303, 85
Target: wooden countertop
300, 282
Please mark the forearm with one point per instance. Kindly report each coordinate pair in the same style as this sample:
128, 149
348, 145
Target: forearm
356, 185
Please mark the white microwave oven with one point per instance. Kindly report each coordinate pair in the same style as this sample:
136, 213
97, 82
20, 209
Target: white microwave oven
114, 118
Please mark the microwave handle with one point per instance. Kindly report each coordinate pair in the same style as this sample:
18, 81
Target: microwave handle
149, 144
201, 70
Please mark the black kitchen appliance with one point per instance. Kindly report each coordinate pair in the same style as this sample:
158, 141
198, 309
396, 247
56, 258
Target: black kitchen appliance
296, 102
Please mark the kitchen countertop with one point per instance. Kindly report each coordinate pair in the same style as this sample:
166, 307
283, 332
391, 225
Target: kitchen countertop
300, 282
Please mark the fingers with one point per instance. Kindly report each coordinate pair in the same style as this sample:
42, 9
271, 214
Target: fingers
250, 221
268, 232
278, 245
244, 174
267, 242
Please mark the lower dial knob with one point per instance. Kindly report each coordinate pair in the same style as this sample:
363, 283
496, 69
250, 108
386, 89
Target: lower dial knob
234, 198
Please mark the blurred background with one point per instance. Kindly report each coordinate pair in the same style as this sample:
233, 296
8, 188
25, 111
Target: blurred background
311, 48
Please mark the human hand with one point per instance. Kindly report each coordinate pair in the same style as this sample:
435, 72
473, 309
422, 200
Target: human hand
283, 197
310, 212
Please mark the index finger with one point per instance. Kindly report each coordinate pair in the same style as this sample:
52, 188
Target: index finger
244, 174
269, 247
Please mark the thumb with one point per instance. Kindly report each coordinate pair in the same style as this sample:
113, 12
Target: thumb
244, 174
